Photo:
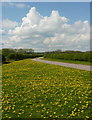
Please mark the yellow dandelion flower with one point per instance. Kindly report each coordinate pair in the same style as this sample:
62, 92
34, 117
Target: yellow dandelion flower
19, 113
47, 112
50, 115
54, 112
82, 110
42, 104
87, 116
41, 115
12, 107
76, 104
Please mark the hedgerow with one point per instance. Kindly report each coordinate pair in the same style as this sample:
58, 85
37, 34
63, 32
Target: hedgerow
83, 56
17, 56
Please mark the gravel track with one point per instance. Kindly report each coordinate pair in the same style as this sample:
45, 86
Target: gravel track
77, 66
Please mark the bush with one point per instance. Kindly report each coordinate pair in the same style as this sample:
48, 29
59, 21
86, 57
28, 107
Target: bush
15, 56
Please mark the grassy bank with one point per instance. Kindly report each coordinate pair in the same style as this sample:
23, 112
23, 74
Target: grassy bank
69, 61
38, 90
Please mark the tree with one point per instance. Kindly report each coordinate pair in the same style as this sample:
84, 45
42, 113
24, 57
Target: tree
58, 51
15, 56
29, 51
21, 51
7, 51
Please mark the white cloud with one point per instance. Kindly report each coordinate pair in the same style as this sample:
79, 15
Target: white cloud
53, 32
21, 5
8, 24
14, 4
1, 31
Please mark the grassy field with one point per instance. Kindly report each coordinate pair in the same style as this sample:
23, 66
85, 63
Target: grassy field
38, 90
69, 61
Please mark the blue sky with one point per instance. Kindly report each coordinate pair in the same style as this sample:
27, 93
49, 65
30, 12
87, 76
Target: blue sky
72, 10
46, 25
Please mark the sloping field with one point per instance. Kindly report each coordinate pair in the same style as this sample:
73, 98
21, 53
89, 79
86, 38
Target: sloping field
37, 90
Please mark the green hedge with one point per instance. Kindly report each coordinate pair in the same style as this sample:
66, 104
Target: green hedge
17, 56
83, 56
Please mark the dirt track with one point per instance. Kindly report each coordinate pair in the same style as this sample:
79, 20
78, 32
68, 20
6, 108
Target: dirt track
77, 66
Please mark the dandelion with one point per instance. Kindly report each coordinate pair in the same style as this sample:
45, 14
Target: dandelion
42, 104
47, 112
50, 115
13, 111
13, 108
44, 89
41, 115
65, 98
19, 113
30, 115
76, 104
82, 110
54, 112
44, 117
87, 116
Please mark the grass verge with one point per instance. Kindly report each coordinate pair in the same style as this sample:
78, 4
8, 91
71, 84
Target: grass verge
37, 90
69, 61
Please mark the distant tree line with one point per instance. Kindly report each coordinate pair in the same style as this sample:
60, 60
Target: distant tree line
70, 55
67, 51
7, 54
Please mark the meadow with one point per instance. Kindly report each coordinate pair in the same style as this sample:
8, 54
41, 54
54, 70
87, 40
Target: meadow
37, 90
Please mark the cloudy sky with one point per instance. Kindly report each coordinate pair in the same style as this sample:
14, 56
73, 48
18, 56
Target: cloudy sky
46, 26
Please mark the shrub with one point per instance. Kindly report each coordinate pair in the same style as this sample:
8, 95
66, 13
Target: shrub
15, 56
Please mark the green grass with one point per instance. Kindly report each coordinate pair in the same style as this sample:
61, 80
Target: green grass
69, 61
37, 90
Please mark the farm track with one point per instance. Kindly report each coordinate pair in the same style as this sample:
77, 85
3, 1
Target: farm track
77, 66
